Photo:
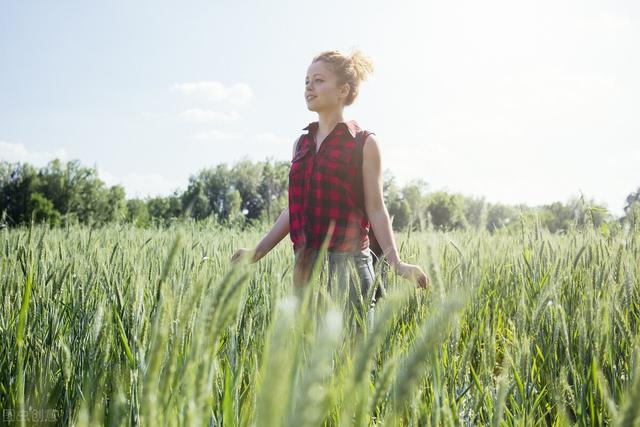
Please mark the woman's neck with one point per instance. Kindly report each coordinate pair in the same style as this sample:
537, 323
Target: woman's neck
328, 120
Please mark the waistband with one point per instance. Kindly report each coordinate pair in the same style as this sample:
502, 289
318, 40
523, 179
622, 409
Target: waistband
336, 254
309, 250
366, 251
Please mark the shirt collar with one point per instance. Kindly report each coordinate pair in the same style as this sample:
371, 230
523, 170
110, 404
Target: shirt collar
351, 125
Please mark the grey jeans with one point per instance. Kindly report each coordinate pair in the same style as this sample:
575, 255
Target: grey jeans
351, 276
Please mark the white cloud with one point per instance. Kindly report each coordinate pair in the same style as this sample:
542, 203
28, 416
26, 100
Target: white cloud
215, 135
15, 152
236, 94
141, 185
197, 115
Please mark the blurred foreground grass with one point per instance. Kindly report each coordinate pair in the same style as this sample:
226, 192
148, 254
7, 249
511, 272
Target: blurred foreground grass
127, 326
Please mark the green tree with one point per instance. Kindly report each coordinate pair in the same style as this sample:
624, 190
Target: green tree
500, 216
590, 213
476, 212
413, 194
137, 212
398, 208
578, 212
246, 179
41, 209
632, 210
446, 211
116, 205
631, 199
165, 208
273, 188
235, 216
557, 216
77, 192
19, 181
208, 193
632, 215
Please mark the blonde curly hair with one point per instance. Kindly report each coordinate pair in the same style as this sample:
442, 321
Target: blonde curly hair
351, 69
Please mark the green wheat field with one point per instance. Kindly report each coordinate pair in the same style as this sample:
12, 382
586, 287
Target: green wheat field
126, 326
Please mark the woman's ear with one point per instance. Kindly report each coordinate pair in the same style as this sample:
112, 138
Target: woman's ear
344, 90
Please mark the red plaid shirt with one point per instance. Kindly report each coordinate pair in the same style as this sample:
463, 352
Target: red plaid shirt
326, 187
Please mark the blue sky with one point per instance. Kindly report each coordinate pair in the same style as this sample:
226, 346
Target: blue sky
519, 102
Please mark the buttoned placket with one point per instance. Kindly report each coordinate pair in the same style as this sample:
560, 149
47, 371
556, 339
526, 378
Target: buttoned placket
315, 153
311, 177
309, 184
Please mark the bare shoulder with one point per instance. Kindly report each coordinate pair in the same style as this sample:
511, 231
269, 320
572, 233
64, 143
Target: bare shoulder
371, 147
371, 138
371, 157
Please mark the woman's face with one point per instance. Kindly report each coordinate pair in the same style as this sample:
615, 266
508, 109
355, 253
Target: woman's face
322, 92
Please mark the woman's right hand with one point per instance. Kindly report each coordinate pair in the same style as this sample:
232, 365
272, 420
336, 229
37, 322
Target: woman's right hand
241, 254
414, 273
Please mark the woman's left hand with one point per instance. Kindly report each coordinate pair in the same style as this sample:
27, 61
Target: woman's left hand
413, 273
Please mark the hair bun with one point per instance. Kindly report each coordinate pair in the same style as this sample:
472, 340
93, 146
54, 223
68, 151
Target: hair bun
362, 64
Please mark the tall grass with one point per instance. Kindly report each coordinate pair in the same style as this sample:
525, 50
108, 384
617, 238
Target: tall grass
126, 326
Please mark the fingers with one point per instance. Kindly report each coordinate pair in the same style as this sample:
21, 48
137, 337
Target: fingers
414, 274
423, 280
419, 277
243, 254
237, 256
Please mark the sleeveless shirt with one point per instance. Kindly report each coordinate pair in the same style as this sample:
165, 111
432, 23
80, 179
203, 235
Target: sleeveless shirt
325, 190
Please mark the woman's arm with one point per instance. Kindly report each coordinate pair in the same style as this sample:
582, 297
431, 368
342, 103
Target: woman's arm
278, 231
378, 214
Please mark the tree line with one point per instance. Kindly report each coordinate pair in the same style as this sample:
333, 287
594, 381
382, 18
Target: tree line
249, 193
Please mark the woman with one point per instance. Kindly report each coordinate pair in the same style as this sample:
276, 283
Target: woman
335, 186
